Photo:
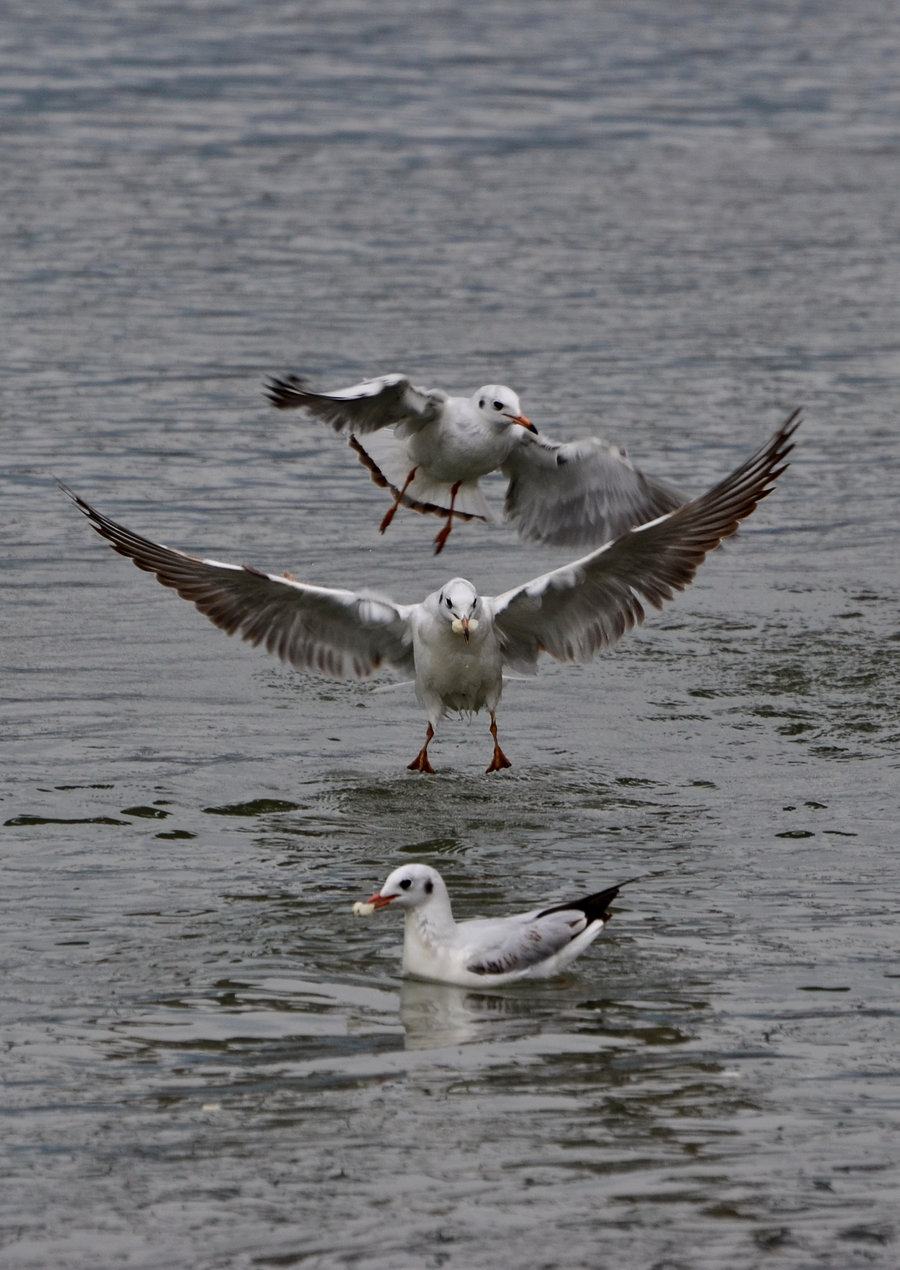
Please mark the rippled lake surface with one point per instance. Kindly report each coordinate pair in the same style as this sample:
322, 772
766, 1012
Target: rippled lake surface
670, 223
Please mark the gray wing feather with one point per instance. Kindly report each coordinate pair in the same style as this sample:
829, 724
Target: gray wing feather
341, 634
378, 403
577, 610
579, 494
528, 940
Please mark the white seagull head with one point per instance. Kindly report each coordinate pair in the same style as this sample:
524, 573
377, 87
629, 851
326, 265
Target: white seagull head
410, 886
499, 405
459, 603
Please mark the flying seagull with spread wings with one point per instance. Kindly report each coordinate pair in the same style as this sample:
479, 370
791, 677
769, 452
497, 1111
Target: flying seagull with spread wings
430, 450
485, 951
456, 644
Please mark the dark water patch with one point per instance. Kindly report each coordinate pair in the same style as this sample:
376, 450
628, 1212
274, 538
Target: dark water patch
30, 820
880, 1234
253, 807
67, 788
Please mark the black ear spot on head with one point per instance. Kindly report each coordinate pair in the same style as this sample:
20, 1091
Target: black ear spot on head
429, 887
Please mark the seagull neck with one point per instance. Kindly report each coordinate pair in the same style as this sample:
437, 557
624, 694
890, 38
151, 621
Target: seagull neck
431, 923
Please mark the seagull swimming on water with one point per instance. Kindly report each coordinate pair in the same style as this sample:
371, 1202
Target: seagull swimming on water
491, 950
430, 449
456, 644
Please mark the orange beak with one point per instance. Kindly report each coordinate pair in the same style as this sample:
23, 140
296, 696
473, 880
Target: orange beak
523, 422
379, 900
465, 630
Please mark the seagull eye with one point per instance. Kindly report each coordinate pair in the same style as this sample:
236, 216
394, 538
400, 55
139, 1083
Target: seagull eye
449, 602
498, 405
406, 884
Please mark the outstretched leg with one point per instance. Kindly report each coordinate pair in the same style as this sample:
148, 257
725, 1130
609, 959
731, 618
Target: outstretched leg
499, 761
389, 515
445, 532
420, 763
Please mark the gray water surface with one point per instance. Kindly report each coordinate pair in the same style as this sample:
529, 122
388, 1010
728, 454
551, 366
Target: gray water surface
668, 223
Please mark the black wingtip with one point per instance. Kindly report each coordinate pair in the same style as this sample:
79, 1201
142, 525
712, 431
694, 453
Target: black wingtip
79, 502
283, 392
595, 907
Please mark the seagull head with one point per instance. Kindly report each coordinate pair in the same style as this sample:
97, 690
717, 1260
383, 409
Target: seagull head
410, 886
500, 406
459, 604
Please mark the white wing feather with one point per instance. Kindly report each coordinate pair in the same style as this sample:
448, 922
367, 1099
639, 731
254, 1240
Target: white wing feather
385, 402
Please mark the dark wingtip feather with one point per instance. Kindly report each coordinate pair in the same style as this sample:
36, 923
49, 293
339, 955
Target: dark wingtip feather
595, 907
285, 393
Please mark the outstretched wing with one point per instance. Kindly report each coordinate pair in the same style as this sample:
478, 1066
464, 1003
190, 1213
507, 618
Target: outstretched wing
576, 610
579, 494
339, 633
384, 402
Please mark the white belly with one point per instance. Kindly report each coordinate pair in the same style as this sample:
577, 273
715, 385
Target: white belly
458, 452
452, 675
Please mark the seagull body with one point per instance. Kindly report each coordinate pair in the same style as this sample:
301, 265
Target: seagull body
456, 644
431, 449
486, 951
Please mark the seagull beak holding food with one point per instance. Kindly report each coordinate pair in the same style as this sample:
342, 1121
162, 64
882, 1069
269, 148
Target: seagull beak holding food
462, 626
523, 422
380, 901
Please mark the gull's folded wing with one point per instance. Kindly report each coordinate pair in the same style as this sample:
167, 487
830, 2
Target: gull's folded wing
518, 943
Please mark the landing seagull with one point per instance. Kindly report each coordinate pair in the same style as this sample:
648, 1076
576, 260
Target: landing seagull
489, 950
430, 449
456, 644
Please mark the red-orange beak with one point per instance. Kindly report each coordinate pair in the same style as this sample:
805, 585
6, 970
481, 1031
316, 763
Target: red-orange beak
379, 900
523, 421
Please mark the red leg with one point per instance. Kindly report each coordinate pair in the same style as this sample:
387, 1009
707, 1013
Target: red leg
420, 763
499, 760
389, 515
445, 532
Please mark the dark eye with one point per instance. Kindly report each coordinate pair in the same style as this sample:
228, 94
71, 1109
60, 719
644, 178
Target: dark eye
449, 603
406, 884
498, 405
